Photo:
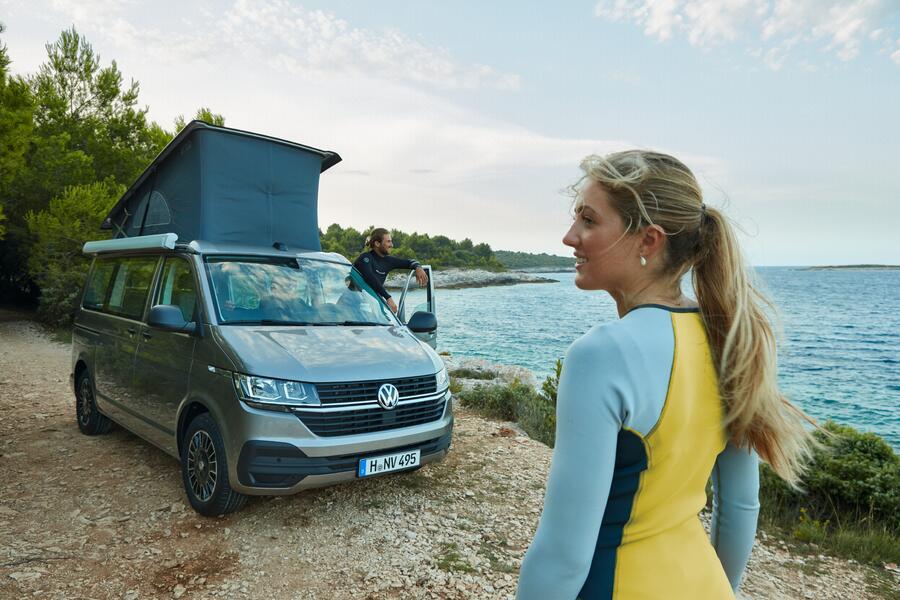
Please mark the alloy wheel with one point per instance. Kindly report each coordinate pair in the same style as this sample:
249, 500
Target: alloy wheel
202, 466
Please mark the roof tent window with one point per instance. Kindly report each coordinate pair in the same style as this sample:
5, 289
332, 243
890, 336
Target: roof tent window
158, 211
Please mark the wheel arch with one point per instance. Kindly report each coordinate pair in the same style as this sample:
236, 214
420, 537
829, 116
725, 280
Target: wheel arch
190, 411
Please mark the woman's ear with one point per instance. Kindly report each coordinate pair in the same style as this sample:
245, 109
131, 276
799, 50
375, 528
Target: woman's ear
652, 240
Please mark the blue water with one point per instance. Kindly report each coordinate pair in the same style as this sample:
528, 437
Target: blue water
839, 357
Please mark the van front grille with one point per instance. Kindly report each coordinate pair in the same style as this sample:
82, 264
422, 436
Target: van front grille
368, 420
367, 391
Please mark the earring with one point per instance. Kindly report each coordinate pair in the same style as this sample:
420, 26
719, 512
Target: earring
643, 262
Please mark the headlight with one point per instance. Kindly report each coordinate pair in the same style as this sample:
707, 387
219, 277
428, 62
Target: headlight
442, 379
263, 392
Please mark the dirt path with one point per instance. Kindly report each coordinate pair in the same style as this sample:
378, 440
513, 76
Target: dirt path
106, 517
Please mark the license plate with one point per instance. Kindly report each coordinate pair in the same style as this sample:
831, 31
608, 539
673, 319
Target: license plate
387, 463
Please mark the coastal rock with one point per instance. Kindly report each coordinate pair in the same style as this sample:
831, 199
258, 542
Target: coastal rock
467, 278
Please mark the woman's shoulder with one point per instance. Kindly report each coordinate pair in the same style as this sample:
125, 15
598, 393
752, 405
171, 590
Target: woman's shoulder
634, 331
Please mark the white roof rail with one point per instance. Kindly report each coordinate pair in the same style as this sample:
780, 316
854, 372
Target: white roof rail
162, 241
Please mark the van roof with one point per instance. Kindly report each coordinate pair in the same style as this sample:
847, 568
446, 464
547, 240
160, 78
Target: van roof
212, 248
228, 185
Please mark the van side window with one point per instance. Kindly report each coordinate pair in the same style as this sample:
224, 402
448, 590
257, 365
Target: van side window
177, 287
130, 286
95, 291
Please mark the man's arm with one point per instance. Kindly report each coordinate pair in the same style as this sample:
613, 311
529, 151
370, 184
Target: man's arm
403, 263
395, 262
735, 481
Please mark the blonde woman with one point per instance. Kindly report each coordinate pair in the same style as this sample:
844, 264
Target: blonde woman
653, 405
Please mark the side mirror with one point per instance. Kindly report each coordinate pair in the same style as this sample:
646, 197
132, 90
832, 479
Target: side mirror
168, 317
422, 322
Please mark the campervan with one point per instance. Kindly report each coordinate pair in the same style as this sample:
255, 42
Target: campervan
213, 326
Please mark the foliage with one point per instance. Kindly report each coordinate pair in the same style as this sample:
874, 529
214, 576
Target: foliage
57, 235
203, 114
551, 383
534, 411
16, 122
439, 251
72, 124
851, 498
466, 373
524, 260
85, 108
854, 476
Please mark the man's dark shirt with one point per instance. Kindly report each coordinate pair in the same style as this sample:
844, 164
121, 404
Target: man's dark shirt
374, 269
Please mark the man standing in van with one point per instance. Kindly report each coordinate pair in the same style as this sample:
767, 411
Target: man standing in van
375, 264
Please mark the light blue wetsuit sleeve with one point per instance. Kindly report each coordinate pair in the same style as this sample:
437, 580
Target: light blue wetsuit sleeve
589, 417
735, 483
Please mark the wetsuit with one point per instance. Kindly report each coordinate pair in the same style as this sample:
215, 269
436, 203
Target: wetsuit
374, 269
639, 433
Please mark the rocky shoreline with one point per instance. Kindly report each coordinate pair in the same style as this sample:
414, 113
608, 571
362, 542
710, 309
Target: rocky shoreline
469, 278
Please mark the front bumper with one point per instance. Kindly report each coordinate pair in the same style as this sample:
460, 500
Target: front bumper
280, 468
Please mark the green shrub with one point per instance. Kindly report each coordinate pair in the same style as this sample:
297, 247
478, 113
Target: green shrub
850, 503
854, 477
465, 373
534, 411
551, 384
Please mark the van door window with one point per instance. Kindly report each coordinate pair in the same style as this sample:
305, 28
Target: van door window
177, 287
98, 284
130, 285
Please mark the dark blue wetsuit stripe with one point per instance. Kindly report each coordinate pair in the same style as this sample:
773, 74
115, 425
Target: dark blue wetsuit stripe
631, 461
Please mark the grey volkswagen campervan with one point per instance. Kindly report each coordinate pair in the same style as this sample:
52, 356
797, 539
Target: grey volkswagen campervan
265, 365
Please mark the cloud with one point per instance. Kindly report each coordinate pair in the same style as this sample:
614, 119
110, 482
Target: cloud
779, 26
289, 38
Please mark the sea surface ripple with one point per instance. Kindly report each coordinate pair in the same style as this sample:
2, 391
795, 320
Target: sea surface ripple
839, 354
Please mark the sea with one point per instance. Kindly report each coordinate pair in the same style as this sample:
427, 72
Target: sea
839, 354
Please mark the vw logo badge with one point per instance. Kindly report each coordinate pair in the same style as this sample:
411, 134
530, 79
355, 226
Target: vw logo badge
388, 396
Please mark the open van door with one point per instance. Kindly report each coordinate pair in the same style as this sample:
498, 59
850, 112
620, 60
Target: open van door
415, 299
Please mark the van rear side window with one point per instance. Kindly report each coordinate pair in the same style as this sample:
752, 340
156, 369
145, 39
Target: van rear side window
130, 285
95, 292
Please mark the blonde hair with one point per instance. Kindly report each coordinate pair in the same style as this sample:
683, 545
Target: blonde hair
649, 188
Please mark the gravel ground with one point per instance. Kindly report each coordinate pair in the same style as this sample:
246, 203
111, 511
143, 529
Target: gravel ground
106, 517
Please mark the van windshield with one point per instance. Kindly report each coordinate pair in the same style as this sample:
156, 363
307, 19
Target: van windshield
291, 291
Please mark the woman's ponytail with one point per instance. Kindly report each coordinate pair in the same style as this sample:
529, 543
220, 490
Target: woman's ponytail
742, 340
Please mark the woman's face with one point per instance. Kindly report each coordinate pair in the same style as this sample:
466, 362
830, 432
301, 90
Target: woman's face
606, 257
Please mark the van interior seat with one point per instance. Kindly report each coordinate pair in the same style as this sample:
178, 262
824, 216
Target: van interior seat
183, 295
133, 301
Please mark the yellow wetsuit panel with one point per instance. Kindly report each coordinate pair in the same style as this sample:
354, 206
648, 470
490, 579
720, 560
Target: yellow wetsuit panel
681, 450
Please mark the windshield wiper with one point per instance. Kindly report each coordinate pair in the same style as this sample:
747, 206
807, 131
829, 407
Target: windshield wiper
268, 322
338, 323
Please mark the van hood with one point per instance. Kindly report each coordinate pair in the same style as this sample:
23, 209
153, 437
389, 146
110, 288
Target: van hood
325, 354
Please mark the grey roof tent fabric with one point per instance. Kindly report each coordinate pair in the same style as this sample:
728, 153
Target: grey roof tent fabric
225, 185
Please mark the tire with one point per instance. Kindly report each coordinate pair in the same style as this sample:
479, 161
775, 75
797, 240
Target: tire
204, 469
89, 419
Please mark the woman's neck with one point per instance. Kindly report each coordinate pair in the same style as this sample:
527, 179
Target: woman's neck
662, 293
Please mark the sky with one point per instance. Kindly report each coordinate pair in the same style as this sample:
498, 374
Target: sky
469, 119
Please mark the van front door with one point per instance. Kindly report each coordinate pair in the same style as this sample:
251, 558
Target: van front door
417, 298
162, 365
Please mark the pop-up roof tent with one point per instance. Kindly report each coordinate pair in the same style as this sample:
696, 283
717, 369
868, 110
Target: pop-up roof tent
225, 185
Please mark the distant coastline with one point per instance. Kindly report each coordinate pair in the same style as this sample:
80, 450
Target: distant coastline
854, 268
470, 278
